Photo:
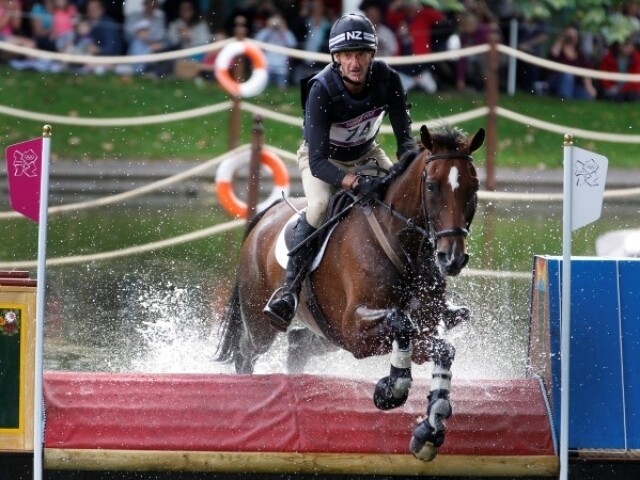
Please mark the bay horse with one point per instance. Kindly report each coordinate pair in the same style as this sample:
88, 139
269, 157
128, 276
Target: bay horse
381, 287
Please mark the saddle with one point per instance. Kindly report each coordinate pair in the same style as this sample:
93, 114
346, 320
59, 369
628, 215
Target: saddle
337, 204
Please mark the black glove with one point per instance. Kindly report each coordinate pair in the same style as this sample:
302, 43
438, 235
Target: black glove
368, 186
410, 155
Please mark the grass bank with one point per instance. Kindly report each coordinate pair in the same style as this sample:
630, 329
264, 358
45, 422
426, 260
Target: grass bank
88, 96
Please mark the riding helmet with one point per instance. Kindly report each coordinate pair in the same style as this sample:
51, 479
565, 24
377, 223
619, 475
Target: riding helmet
352, 31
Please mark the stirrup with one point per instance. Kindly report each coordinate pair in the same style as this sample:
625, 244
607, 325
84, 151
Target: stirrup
276, 320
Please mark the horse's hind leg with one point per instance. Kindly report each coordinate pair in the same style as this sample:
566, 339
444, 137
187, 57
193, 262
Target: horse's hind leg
392, 391
428, 436
245, 357
304, 344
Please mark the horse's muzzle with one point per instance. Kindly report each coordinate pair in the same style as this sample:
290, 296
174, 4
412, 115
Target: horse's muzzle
452, 265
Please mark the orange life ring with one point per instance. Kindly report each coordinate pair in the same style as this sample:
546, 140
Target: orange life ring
259, 76
224, 183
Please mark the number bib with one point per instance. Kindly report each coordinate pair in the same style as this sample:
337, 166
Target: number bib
356, 131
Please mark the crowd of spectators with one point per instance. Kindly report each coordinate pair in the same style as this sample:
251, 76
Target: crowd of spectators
405, 27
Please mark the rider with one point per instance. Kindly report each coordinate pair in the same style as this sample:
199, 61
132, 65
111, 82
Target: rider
344, 108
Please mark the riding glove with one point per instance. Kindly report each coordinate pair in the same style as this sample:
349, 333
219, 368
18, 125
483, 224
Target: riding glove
368, 186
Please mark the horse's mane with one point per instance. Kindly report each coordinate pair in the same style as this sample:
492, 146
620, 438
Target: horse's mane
448, 136
444, 134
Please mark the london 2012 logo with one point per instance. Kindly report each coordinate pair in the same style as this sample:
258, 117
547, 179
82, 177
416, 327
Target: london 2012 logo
25, 163
9, 322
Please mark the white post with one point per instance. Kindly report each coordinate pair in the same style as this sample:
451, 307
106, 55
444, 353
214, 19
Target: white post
513, 43
565, 334
38, 404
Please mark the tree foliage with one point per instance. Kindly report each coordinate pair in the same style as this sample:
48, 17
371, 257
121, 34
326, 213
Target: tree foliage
594, 16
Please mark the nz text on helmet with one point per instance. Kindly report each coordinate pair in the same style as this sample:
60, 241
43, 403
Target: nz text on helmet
353, 39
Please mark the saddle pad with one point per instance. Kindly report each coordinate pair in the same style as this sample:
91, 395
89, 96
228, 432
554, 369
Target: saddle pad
282, 249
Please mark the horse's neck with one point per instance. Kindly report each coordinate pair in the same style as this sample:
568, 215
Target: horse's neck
405, 193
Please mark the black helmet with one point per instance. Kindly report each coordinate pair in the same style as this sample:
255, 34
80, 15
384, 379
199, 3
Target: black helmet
352, 31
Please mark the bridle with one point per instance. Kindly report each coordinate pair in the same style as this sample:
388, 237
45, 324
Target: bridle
448, 232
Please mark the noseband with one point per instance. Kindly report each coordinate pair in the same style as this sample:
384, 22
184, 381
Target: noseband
449, 232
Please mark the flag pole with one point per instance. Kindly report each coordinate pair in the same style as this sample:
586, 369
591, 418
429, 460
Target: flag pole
38, 405
565, 333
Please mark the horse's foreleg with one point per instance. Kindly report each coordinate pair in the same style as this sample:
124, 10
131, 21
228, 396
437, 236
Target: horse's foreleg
392, 391
304, 344
428, 436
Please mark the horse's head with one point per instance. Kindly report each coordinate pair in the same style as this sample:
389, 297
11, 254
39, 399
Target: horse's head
450, 185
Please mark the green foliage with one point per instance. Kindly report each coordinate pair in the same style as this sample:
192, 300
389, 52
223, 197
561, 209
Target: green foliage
593, 16
617, 28
445, 5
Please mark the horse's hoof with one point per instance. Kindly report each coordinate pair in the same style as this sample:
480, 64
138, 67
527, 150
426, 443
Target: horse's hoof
426, 441
426, 453
384, 398
454, 316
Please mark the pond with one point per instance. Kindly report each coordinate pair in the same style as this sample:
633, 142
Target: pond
158, 311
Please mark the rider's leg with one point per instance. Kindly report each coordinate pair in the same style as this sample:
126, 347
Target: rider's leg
282, 309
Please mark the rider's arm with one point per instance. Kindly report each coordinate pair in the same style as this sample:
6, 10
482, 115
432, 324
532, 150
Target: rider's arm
399, 115
317, 125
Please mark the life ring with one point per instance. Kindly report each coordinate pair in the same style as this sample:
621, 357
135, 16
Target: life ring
224, 183
259, 76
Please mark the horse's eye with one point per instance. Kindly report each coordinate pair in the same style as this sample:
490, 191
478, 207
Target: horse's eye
431, 187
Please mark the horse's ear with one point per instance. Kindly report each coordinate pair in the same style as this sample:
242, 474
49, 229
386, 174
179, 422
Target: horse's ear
476, 141
425, 138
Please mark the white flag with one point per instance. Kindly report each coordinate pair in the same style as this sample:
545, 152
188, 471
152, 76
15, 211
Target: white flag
589, 175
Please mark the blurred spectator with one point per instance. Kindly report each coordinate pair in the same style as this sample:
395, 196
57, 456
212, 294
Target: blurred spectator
189, 29
64, 18
11, 24
471, 69
105, 32
82, 42
532, 37
157, 24
412, 21
387, 41
631, 10
622, 57
256, 13
141, 44
565, 50
312, 33
502, 11
42, 25
277, 33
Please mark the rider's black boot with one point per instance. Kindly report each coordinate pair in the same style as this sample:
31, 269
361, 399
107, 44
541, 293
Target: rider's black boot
282, 308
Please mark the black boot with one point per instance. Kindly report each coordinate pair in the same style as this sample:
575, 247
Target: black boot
282, 308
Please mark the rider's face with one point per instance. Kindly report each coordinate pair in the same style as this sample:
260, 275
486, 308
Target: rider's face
354, 65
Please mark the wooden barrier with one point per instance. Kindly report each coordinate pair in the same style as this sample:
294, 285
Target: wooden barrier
286, 424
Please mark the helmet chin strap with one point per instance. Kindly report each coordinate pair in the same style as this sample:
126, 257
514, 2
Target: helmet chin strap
348, 80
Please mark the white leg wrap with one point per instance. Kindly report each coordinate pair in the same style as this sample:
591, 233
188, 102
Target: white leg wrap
400, 358
441, 379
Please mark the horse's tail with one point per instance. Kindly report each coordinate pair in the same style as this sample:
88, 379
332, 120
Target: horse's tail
231, 329
232, 326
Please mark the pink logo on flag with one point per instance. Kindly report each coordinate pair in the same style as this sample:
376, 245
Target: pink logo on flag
24, 164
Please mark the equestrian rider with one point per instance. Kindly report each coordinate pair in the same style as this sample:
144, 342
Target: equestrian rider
344, 108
